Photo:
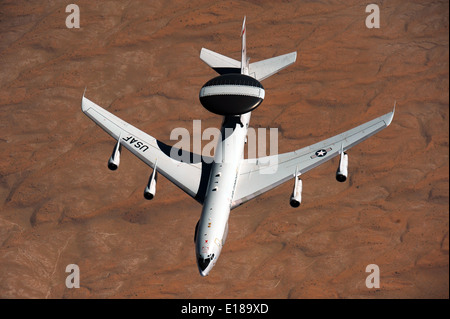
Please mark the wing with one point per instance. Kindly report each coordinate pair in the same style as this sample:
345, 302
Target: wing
257, 176
186, 170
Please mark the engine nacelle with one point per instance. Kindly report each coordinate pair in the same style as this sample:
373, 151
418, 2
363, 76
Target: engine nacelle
296, 197
150, 190
114, 160
342, 171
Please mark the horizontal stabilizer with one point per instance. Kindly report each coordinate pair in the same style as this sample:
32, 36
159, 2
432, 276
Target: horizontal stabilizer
220, 63
265, 68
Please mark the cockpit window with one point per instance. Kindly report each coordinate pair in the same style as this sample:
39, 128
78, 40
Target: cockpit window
204, 262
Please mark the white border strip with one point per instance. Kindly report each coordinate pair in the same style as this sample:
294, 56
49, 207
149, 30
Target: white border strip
233, 90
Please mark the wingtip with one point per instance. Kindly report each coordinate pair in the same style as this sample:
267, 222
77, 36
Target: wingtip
391, 115
83, 102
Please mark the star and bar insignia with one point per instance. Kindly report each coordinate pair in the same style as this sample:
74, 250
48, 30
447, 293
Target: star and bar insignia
321, 153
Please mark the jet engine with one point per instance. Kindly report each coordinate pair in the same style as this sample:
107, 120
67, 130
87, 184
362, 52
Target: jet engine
114, 160
342, 171
296, 197
150, 190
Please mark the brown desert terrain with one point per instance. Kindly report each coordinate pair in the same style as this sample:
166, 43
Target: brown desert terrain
60, 205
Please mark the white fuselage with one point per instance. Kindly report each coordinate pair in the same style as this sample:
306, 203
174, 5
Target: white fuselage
213, 224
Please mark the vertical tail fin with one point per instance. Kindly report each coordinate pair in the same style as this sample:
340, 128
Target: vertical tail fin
244, 60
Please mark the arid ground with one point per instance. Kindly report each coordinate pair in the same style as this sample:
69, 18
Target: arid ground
60, 205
